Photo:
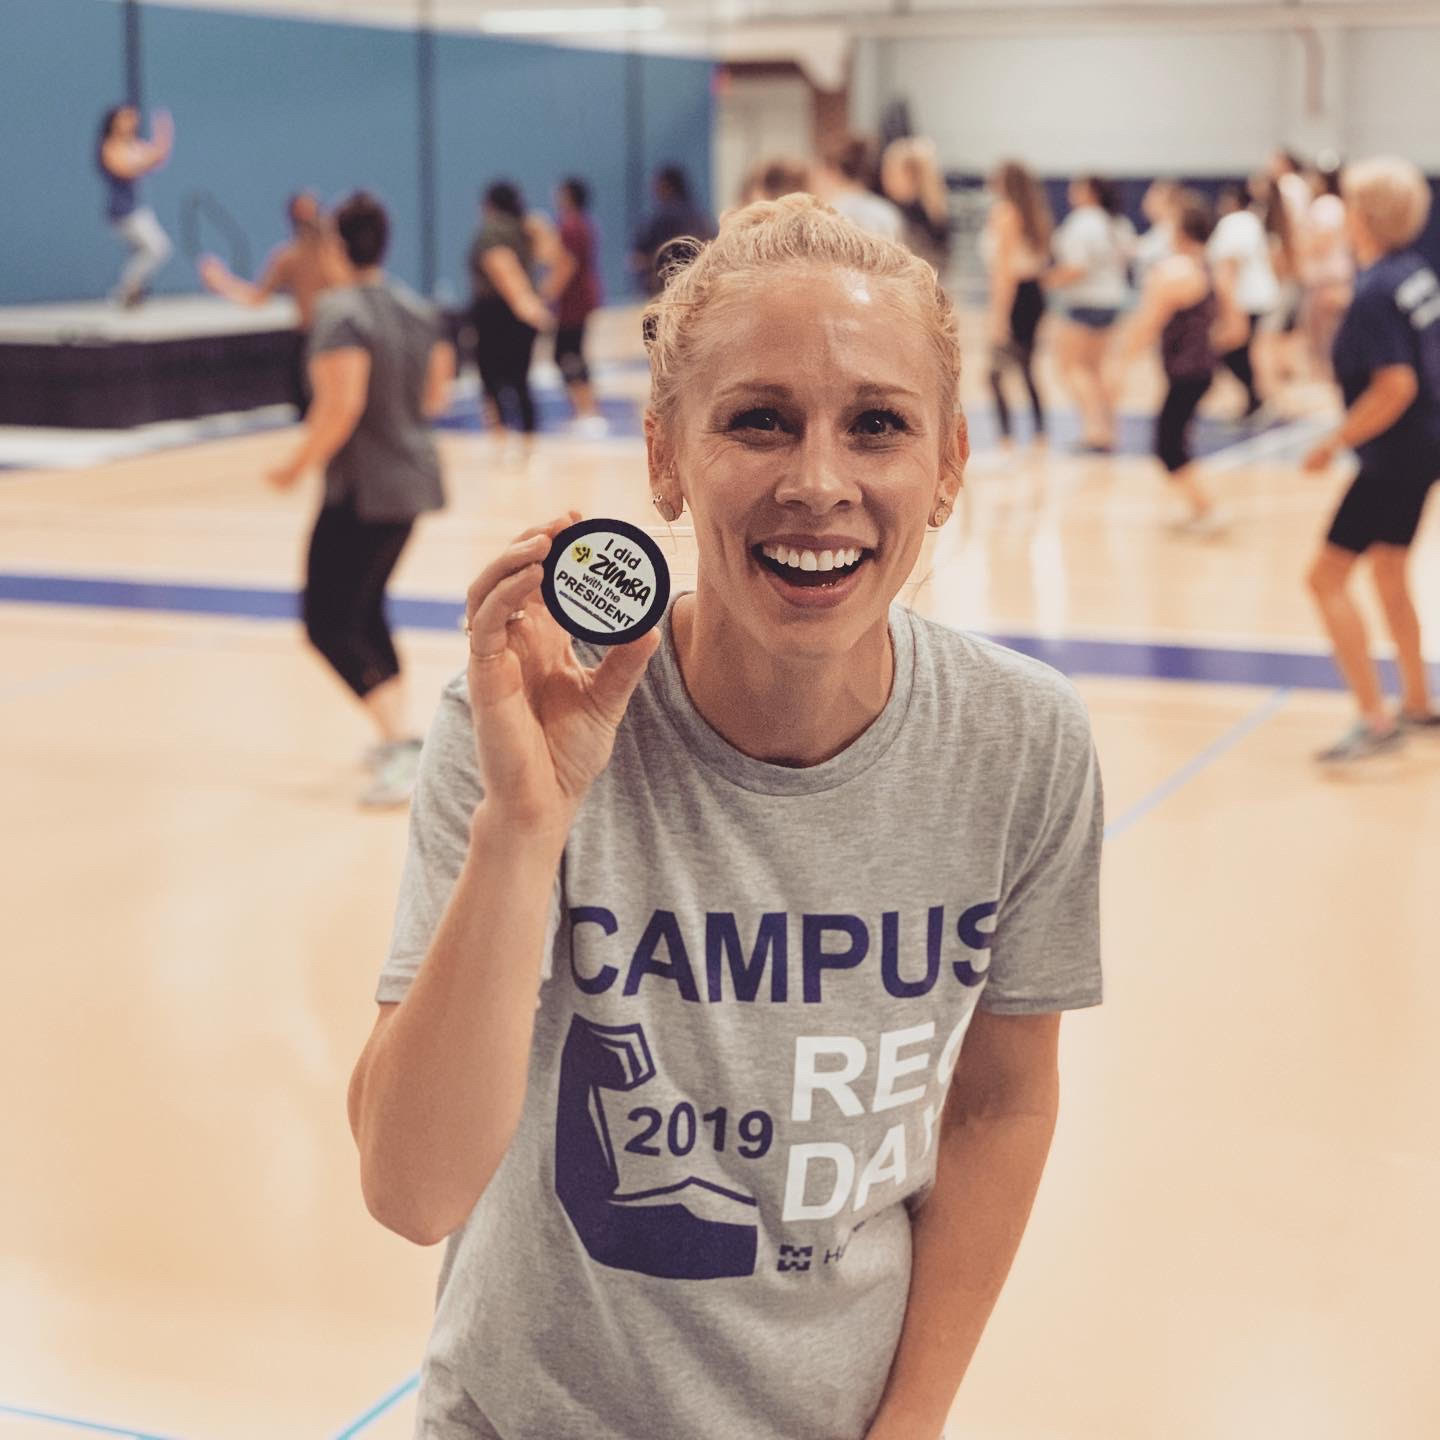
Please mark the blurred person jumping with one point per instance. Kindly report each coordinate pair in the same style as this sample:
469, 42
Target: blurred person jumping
1159, 205
1239, 254
573, 289
506, 312
1327, 271
1015, 245
1092, 249
379, 369
311, 262
1178, 308
123, 157
1387, 361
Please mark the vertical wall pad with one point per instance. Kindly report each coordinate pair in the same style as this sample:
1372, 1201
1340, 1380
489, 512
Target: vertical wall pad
533, 114
679, 121
266, 106
62, 65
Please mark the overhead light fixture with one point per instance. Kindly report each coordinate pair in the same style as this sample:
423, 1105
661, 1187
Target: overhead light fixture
593, 20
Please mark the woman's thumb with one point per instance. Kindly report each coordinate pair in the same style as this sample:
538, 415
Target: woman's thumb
618, 674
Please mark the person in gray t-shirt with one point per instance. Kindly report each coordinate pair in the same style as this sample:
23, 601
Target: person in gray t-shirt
718, 1032
379, 370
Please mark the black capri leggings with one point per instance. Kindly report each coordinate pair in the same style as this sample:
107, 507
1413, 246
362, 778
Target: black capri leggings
1172, 428
570, 353
349, 565
503, 346
1025, 315
1239, 363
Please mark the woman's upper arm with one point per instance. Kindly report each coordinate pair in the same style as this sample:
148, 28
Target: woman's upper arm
341, 377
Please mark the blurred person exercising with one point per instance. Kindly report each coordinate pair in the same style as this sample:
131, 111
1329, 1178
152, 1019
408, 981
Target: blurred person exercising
122, 157
1387, 361
1015, 245
309, 263
573, 289
378, 368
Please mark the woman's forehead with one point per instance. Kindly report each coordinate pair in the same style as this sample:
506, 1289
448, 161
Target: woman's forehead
853, 319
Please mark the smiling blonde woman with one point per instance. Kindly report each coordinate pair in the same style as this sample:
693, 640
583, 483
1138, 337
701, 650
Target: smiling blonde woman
718, 1033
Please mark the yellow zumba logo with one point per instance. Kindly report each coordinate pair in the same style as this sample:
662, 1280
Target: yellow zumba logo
581, 554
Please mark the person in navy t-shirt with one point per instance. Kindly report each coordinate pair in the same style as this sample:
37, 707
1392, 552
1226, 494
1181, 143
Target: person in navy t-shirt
1387, 361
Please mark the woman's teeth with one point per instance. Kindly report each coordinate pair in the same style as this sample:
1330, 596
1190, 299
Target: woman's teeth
811, 559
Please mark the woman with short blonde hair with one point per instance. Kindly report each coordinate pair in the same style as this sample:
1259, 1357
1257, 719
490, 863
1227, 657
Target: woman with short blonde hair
718, 1032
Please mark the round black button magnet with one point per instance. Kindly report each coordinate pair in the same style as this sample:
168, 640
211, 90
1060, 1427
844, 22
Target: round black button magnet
605, 581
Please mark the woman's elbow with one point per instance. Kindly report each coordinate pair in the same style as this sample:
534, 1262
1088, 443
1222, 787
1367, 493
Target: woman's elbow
402, 1211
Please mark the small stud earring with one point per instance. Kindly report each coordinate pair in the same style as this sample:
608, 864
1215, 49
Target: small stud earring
941, 514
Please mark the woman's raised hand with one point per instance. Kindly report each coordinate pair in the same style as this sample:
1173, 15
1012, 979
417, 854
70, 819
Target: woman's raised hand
544, 724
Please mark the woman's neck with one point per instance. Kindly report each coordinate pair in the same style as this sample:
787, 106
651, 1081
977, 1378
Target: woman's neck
784, 710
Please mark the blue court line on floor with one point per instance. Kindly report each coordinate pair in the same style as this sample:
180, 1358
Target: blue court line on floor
1074, 655
1207, 757
94, 1426
386, 1402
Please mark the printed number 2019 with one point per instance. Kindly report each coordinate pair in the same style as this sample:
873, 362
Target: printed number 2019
756, 1130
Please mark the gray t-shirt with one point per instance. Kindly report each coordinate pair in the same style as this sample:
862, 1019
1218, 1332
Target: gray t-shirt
388, 467
757, 984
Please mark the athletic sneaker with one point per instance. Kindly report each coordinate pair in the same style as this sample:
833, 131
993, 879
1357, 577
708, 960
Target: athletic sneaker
1360, 742
394, 781
1427, 723
590, 427
1215, 521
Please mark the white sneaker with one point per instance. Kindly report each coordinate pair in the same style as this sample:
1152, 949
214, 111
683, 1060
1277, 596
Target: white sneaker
590, 427
395, 777
1215, 521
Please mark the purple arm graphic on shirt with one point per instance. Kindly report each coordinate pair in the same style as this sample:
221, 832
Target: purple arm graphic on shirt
652, 1232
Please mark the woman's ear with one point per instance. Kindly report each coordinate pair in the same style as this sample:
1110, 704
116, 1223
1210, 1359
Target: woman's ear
664, 483
957, 457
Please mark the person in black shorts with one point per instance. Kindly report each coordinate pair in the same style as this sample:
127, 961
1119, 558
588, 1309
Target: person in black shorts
1387, 361
379, 369
1178, 307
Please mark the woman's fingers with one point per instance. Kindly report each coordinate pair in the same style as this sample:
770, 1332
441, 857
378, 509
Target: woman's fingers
525, 549
490, 624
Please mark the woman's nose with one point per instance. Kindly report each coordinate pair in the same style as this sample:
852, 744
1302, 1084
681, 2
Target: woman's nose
818, 475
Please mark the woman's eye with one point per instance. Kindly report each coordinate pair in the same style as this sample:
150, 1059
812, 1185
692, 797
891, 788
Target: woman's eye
760, 419
879, 422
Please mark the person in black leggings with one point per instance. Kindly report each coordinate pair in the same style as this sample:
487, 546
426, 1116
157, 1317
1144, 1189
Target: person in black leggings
379, 370
506, 312
1017, 247
1178, 307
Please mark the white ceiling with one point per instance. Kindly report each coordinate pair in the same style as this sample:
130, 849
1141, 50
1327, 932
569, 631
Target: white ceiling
854, 16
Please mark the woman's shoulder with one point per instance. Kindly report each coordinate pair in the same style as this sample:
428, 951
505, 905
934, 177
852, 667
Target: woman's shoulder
976, 673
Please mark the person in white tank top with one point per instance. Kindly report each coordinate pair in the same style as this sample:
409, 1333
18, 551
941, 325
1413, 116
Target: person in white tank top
1093, 248
1327, 272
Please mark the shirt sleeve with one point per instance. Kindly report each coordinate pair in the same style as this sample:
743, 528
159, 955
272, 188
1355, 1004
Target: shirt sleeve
447, 791
1045, 950
1382, 336
338, 326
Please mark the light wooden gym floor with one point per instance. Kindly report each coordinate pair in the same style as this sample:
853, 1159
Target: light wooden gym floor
1236, 1235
